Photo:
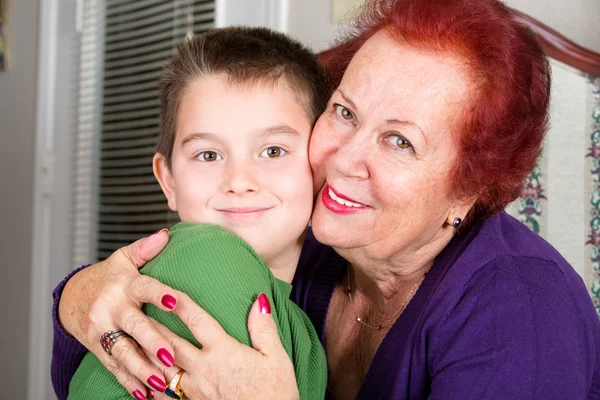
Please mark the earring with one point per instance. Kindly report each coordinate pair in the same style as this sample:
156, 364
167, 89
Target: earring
457, 222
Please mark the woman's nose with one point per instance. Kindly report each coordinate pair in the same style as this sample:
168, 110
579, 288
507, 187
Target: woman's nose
350, 159
240, 177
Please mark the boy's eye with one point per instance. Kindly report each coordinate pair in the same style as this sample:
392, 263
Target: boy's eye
343, 112
209, 156
273, 152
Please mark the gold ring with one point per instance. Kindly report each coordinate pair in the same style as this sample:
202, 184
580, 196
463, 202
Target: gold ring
174, 389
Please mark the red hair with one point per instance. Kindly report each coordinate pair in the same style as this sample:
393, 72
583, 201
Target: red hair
501, 130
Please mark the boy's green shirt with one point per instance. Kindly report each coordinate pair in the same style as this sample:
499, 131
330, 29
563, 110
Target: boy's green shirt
224, 275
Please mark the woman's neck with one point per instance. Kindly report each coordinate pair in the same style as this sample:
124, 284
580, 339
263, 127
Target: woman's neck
384, 290
385, 281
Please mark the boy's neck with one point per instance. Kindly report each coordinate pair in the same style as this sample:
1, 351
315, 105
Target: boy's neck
284, 265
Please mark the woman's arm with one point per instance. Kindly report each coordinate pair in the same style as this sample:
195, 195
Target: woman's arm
91, 301
107, 296
67, 352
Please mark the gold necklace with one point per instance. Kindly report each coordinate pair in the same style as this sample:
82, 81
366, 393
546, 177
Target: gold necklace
407, 300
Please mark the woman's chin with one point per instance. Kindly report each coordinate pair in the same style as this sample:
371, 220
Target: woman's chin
329, 230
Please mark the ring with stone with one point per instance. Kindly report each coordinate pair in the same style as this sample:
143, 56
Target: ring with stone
109, 338
174, 389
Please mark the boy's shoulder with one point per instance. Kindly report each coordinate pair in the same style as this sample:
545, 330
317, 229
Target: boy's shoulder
193, 245
187, 230
201, 236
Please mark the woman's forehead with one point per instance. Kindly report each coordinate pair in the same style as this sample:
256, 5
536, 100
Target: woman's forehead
388, 77
383, 60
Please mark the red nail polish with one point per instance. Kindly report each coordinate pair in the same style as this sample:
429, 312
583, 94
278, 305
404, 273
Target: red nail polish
168, 301
263, 304
138, 395
156, 383
165, 357
151, 393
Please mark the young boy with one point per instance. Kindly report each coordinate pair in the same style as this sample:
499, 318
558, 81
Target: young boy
237, 109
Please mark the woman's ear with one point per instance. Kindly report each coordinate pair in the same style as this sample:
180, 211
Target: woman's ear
165, 179
459, 210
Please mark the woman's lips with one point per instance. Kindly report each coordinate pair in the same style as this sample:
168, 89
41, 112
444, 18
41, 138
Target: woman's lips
339, 203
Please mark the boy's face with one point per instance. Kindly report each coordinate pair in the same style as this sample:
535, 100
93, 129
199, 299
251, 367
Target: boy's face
240, 160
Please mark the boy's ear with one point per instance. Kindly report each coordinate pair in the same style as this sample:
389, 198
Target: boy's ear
165, 179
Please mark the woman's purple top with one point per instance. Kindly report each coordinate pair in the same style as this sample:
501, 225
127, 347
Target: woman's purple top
500, 315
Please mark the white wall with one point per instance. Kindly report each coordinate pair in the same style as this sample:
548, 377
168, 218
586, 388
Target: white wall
310, 22
579, 20
53, 180
17, 132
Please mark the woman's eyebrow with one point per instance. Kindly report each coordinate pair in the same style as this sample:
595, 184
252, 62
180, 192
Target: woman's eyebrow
347, 99
389, 121
404, 122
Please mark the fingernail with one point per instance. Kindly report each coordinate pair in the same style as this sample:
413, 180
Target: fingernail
160, 230
165, 357
263, 304
156, 383
138, 395
169, 301
151, 393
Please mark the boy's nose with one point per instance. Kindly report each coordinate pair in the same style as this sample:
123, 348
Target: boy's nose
241, 178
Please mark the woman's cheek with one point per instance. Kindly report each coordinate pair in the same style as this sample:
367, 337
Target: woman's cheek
317, 153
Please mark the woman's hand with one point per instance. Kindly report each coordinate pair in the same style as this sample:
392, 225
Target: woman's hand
109, 296
225, 368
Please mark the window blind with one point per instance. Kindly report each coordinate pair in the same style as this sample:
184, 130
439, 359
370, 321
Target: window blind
138, 37
90, 23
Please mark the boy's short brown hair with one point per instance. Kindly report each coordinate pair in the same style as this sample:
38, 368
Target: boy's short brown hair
246, 56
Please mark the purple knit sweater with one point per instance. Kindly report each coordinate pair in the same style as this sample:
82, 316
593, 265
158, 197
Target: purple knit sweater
500, 315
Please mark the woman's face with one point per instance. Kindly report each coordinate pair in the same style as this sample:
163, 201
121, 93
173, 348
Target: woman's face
382, 151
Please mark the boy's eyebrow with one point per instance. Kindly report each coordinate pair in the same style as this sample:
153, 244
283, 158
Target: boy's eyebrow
278, 130
198, 136
266, 132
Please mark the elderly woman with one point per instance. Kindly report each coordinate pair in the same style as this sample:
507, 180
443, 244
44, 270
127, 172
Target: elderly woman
418, 283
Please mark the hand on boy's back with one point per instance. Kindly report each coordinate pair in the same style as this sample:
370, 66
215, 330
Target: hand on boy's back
81, 297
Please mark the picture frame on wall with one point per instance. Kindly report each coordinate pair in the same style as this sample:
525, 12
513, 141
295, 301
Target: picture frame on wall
344, 10
4, 32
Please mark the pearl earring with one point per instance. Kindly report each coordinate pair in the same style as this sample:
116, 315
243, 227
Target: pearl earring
457, 222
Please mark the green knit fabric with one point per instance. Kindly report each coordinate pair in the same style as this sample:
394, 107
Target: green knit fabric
224, 275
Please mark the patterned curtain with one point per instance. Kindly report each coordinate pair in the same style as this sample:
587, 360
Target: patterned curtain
561, 200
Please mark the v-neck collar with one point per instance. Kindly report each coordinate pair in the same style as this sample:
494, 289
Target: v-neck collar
394, 344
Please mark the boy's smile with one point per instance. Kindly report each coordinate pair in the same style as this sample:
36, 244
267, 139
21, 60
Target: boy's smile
244, 213
240, 160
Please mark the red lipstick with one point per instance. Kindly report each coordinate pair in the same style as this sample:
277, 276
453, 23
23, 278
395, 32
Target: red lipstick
329, 197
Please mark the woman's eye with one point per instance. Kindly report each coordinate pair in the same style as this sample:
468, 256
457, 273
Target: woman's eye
209, 156
400, 142
273, 152
343, 112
